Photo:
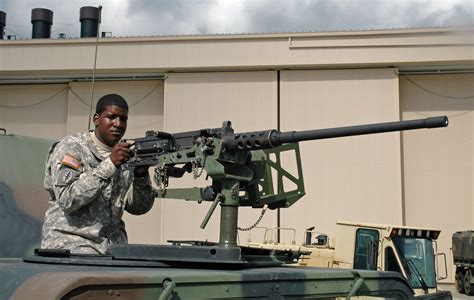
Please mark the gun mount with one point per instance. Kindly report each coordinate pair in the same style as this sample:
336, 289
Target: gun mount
241, 166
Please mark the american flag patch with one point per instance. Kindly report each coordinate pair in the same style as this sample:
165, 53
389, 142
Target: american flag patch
71, 161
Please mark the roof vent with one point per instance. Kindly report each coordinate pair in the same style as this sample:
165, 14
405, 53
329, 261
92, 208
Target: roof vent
3, 17
42, 19
90, 19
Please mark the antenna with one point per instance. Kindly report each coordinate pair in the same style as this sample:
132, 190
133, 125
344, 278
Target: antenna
93, 70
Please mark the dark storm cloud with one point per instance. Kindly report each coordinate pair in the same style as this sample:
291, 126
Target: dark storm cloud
172, 17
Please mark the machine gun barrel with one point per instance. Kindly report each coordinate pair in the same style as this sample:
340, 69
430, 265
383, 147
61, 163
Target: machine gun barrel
274, 138
318, 134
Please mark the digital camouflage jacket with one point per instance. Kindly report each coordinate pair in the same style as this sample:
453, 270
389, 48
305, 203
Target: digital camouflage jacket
88, 197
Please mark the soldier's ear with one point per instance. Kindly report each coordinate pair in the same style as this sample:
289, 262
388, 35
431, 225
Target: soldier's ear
96, 119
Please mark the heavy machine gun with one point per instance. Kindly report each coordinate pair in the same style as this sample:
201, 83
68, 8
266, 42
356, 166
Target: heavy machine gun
240, 166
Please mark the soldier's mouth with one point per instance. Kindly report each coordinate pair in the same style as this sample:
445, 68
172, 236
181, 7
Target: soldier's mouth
116, 132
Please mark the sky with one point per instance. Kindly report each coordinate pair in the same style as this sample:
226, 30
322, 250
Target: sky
198, 17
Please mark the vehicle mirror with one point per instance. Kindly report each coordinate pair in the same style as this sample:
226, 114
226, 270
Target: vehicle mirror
441, 261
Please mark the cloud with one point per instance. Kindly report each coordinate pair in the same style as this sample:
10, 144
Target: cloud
175, 17
323, 15
163, 17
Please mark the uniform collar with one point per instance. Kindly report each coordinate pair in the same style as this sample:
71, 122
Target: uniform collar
92, 146
101, 146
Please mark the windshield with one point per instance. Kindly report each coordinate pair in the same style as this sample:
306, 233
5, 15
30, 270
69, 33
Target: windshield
418, 260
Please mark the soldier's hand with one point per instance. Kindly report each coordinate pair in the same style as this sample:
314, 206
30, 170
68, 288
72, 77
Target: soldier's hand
120, 153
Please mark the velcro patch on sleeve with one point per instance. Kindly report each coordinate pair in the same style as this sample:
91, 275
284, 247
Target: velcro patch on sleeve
71, 161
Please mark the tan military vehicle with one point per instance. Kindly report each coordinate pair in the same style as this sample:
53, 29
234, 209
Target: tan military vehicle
411, 251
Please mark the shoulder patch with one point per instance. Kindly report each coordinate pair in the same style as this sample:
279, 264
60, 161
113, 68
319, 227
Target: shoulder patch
71, 161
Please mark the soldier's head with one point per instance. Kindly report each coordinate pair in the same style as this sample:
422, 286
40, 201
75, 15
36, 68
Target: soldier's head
110, 119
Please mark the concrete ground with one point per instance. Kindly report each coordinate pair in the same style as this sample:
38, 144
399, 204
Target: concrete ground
456, 295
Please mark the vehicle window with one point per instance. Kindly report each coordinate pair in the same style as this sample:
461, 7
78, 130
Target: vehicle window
363, 238
391, 263
418, 260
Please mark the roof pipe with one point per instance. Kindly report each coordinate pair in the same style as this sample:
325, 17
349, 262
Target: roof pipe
89, 17
3, 23
42, 19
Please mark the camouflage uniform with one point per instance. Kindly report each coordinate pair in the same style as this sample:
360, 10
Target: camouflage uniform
88, 198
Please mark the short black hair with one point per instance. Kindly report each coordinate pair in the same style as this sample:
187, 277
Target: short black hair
110, 99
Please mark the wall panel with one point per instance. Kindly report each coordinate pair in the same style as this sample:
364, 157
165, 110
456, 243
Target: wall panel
438, 164
34, 110
352, 178
205, 100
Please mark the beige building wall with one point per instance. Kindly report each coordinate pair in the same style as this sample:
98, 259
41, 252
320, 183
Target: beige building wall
438, 164
231, 52
204, 100
34, 110
353, 178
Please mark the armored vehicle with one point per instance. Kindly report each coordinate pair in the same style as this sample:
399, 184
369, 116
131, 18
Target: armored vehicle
463, 257
245, 169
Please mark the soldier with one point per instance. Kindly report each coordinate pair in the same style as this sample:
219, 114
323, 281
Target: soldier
89, 190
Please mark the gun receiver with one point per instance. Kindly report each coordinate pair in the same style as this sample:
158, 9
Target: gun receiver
241, 164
